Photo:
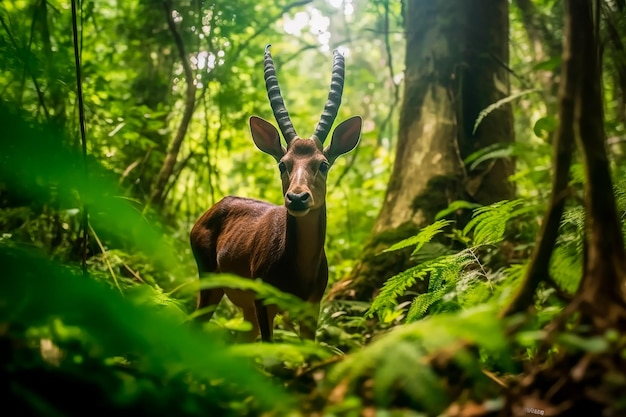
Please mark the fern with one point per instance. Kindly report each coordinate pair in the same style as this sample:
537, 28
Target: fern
444, 277
455, 206
566, 268
620, 195
489, 223
439, 269
424, 236
395, 287
385, 359
495, 151
269, 294
448, 284
499, 104
422, 303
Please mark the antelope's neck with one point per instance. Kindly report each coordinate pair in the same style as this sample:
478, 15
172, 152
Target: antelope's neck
308, 234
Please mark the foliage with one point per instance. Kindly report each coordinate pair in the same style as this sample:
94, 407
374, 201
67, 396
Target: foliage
80, 325
499, 104
119, 332
385, 359
454, 278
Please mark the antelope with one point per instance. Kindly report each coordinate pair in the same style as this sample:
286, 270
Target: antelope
283, 245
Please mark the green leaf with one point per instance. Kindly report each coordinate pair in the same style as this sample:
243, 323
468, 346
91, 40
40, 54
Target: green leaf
297, 308
454, 206
439, 269
489, 222
594, 344
549, 64
37, 291
545, 126
485, 112
424, 236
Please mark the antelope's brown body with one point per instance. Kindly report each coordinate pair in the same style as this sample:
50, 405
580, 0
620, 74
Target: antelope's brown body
282, 245
255, 239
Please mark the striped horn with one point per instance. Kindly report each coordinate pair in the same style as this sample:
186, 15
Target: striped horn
334, 98
276, 100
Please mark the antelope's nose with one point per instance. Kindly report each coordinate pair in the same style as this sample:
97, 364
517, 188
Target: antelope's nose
297, 201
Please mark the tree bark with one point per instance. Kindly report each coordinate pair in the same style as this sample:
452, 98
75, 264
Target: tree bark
576, 381
455, 67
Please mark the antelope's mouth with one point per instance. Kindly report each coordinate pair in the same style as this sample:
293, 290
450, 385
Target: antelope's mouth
298, 212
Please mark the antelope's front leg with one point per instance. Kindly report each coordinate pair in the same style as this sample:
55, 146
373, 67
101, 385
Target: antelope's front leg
308, 327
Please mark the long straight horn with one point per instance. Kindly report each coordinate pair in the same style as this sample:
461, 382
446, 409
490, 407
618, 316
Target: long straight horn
334, 98
276, 100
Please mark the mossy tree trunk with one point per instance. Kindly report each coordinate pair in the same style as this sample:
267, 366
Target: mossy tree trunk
456, 58
578, 380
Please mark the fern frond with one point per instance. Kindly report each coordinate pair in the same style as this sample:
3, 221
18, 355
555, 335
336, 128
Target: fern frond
421, 304
455, 206
424, 236
440, 269
620, 195
574, 216
499, 104
478, 292
395, 286
268, 293
566, 268
495, 151
489, 222
443, 279
386, 358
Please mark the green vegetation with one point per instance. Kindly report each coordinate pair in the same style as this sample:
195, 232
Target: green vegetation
98, 316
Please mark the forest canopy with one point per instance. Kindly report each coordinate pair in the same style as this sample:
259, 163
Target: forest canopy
474, 236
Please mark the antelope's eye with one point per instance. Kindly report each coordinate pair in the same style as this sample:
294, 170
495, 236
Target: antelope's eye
282, 167
324, 166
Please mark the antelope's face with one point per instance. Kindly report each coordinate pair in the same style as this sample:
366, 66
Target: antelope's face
303, 171
304, 163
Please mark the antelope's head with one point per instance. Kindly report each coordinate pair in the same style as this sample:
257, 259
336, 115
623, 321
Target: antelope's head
304, 163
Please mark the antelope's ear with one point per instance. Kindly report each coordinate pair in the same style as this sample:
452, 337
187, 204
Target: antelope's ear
345, 138
266, 137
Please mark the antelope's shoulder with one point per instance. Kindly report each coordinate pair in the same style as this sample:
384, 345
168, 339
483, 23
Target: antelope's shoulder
236, 204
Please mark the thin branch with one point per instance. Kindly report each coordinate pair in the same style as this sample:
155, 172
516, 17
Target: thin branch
135, 274
269, 23
158, 192
83, 136
396, 87
207, 147
347, 167
177, 171
106, 259
243, 45
562, 157
40, 96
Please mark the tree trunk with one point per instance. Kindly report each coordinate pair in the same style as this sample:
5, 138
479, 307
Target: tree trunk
456, 58
577, 382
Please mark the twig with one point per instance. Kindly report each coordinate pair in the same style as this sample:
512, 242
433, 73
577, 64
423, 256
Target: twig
158, 192
83, 137
175, 175
133, 273
40, 96
106, 259
396, 88
562, 157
